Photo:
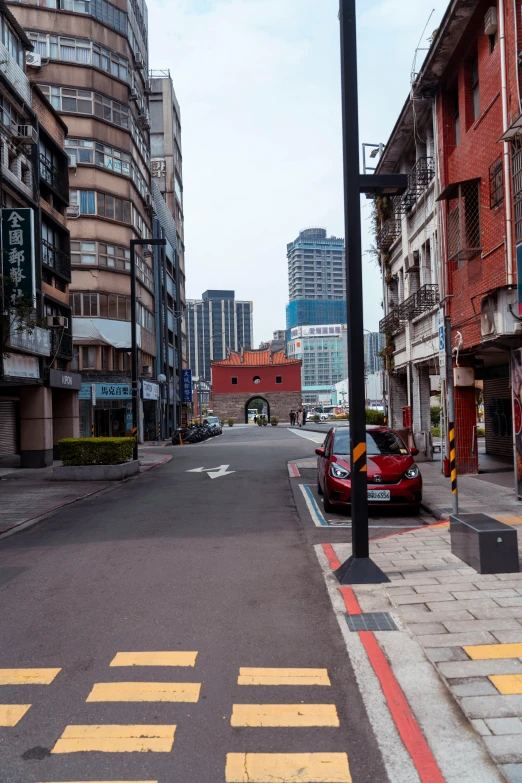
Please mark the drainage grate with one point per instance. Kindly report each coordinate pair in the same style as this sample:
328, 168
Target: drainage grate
372, 621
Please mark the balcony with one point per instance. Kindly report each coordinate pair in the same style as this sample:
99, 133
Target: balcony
61, 345
54, 178
426, 298
421, 176
391, 322
57, 260
390, 231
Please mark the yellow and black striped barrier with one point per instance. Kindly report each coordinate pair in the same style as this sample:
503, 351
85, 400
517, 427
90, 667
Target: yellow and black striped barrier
453, 458
359, 457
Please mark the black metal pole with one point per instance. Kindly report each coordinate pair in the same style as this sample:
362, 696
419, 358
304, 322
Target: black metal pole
358, 568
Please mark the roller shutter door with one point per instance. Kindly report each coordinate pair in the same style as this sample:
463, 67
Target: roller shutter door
498, 417
8, 440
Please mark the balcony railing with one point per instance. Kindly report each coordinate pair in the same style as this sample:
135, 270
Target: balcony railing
422, 300
61, 344
421, 175
390, 231
57, 260
54, 178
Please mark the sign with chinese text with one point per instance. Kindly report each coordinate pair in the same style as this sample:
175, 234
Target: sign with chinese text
442, 342
149, 390
18, 255
316, 331
19, 366
158, 166
33, 340
186, 383
106, 391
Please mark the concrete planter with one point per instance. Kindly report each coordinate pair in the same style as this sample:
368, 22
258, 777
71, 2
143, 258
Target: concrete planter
96, 472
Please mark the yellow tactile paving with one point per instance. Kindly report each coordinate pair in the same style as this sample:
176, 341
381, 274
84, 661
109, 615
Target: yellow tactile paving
145, 691
116, 739
484, 652
154, 659
295, 767
507, 684
256, 715
256, 676
510, 520
11, 714
27, 676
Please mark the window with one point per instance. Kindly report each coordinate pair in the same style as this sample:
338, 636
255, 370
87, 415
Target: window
496, 183
234, 381
256, 379
11, 41
88, 358
475, 87
456, 116
68, 99
463, 221
89, 305
8, 114
101, 204
493, 40
106, 357
101, 9
279, 379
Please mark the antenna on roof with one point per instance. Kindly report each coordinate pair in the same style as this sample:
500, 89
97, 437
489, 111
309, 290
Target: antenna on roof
420, 48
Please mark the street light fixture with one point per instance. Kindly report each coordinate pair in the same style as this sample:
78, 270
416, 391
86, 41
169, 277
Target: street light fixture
134, 342
359, 568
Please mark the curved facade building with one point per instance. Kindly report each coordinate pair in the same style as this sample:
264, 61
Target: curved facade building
91, 61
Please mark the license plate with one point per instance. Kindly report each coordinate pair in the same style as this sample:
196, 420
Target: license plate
378, 494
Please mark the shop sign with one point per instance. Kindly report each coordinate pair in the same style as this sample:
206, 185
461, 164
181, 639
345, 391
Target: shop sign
18, 254
59, 379
150, 390
34, 340
18, 366
186, 382
516, 385
158, 166
106, 391
441, 330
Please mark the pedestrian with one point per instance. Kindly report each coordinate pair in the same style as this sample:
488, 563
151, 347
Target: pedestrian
292, 418
300, 417
304, 416
255, 418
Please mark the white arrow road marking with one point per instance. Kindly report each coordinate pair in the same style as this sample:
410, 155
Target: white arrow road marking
221, 470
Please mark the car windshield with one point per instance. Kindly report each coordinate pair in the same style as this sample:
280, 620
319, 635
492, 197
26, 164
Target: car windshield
377, 442
212, 420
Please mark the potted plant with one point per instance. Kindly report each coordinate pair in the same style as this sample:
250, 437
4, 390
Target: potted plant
259, 422
274, 421
230, 422
265, 421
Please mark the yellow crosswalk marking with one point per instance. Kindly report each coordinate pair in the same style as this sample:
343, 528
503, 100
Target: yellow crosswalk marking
11, 714
249, 676
484, 652
116, 739
27, 676
507, 684
284, 715
145, 691
297, 767
154, 659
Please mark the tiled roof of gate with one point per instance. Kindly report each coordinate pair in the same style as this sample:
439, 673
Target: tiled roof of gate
254, 358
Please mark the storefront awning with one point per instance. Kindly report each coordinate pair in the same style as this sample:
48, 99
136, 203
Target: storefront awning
115, 333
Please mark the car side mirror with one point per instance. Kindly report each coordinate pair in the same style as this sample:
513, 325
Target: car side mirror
319, 452
414, 452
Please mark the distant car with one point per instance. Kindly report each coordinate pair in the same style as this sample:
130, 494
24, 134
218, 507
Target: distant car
393, 477
213, 421
324, 416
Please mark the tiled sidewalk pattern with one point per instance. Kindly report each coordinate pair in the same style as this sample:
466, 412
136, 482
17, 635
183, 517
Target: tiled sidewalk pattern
469, 625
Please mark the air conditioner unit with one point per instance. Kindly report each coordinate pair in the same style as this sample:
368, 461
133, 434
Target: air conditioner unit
73, 161
24, 134
73, 211
490, 21
138, 59
496, 317
147, 369
134, 94
57, 322
33, 60
148, 200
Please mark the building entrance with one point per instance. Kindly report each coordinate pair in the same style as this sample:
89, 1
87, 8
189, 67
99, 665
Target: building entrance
256, 406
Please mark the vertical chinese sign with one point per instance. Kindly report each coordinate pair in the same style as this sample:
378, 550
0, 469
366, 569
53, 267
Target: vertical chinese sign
516, 385
186, 376
17, 227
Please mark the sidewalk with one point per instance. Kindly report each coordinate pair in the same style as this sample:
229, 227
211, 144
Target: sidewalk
27, 496
468, 625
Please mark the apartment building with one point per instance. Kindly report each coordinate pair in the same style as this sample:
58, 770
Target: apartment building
323, 351
38, 392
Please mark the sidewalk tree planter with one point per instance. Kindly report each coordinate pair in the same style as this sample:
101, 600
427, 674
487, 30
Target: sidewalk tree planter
274, 421
96, 459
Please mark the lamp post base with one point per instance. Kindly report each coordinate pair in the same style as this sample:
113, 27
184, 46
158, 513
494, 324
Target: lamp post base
360, 571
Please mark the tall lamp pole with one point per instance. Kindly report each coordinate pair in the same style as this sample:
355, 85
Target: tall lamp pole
134, 342
359, 568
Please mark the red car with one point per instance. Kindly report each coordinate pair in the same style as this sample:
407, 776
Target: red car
393, 477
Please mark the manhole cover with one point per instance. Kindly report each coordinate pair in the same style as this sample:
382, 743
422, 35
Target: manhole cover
371, 621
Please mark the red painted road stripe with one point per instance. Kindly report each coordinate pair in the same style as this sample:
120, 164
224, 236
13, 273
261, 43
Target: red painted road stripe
350, 600
403, 717
332, 557
294, 469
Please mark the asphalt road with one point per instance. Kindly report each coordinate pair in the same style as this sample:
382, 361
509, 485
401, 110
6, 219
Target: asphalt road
175, 561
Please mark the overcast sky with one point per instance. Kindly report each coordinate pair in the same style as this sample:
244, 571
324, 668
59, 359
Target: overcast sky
258, 83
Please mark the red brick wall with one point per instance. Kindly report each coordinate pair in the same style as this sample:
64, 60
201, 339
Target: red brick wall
222, 378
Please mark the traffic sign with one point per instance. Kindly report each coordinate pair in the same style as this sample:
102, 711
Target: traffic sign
442, 342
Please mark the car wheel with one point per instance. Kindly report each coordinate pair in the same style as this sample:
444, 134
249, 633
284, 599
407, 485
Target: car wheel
326, 502
319, 488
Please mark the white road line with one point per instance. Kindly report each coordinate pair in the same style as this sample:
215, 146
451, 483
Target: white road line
317, 437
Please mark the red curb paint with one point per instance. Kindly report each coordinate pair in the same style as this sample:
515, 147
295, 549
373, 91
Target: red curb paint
350, 600
407, 726
294, 469
332, 557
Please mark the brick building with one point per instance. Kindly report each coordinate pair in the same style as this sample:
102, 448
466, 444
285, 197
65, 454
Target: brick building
462, 102
253, 375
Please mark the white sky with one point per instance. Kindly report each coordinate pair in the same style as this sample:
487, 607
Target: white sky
258, 83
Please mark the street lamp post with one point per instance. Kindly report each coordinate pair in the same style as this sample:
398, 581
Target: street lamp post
134, 342
359, 568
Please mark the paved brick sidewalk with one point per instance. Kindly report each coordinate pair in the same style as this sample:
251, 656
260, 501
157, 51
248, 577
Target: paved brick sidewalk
469, 626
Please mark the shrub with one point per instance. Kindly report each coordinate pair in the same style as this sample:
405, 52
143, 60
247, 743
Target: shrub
259, 422
95, 451
435, 415
264, 422
374, 417
435, 431
274, 421
222, 422
316, 417
481, 432
230, 422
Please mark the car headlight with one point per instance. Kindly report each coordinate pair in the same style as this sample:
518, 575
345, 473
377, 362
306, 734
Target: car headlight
337, 471
412, 472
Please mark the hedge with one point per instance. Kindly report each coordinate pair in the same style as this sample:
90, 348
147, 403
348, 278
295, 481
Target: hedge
95, 451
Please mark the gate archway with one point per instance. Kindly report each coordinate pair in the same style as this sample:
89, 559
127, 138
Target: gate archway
259, 403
